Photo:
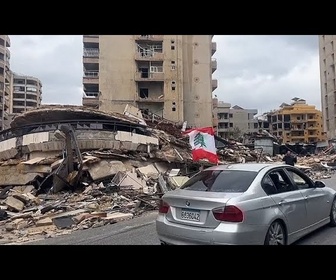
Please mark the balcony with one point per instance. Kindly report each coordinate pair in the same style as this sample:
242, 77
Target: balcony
213, 48
91, 74
90, 81
223, 129
154, 56
90, 94
312, 127
91, 52
90, 38
3, 49
297, 121
149, 38
7, 89
213, 64
6, 39
214, 84
31, 100
91, 60
92, 102
148, 77
6, 103
154, 99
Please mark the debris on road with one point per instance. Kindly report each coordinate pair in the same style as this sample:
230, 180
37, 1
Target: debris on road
83, 175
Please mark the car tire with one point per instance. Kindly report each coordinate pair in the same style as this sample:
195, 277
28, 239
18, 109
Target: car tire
333, 214
276, 234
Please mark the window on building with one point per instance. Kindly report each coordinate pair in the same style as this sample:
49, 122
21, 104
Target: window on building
173, 67
231, 124
172, 47
143, 92
230, 115
31, 89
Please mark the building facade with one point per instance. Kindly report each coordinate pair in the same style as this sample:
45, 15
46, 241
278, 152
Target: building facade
27, 93
234, 121
297, 122
327, 45
167, 75
5, 81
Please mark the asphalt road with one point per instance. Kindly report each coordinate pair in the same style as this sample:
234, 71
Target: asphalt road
141, 231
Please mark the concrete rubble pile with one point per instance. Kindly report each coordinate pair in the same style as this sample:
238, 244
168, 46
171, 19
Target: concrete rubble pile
77, 188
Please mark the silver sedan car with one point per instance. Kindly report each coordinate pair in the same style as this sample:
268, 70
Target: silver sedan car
245, 204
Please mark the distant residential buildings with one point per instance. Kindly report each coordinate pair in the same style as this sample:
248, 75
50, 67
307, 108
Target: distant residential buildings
327, 47
27, 93
233, 121
18, 93
297, 122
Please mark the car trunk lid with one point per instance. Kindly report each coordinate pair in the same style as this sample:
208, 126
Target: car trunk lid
195, 207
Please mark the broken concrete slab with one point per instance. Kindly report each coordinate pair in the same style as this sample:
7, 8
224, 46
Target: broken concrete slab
44, 222
105, 169
132, 180
22, 197
118, 216
63, 222
67, 214
24, 168
149, 171
11, 175
29, 189
14, 204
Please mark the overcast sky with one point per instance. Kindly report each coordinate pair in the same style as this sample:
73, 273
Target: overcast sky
254, 72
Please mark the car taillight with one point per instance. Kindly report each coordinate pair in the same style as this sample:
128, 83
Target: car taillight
228, 214
163, 207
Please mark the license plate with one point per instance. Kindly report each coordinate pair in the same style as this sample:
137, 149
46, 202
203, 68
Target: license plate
190, 215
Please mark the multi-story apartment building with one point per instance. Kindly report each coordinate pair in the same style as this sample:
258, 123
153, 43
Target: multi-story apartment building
327, 46
168, 75
297, 122
27, 93
5, 81
234, 121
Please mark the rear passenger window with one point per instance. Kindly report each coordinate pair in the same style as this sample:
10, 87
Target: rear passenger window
277, 182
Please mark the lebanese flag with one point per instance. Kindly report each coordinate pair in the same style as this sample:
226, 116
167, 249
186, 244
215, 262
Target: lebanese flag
202, 142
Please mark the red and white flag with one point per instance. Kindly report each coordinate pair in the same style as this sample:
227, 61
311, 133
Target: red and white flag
202, 142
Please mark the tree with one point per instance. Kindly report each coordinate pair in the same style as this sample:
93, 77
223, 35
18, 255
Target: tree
236, 133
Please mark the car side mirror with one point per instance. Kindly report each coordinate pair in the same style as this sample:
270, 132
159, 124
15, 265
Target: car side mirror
319, 184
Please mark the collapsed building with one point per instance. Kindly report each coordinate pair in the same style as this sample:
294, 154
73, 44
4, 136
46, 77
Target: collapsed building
64, 168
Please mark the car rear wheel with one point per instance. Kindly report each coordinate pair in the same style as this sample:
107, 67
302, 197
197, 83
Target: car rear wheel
276, 234
333, 213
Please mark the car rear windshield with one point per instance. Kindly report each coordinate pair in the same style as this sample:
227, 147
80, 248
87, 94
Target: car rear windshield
220, 181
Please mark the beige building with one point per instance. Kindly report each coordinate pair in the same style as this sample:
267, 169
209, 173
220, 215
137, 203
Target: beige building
5, 81
234, 121
170, 75
27, 93
327, 46
297, 122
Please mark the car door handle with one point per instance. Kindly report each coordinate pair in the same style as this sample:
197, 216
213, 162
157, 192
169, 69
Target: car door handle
281, 202
306, 197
